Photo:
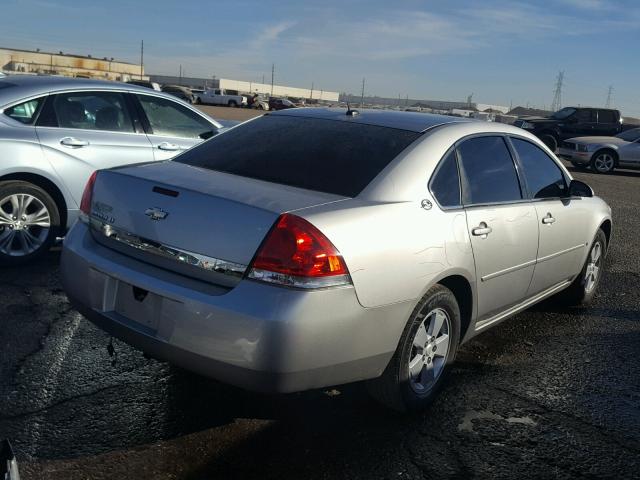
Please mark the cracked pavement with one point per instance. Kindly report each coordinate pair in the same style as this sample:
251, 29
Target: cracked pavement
550, 393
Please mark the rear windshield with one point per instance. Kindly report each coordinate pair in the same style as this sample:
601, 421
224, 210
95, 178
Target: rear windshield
323, 155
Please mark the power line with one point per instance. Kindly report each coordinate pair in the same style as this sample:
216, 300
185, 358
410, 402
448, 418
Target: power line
557, 95
609, 93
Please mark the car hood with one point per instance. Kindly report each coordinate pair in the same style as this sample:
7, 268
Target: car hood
598, 140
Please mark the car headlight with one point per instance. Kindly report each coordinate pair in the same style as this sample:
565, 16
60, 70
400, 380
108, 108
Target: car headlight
527, 125
582, 147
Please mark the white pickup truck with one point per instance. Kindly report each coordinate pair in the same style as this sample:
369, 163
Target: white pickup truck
218, 96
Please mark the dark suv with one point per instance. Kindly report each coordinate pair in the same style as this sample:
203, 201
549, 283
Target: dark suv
572, 122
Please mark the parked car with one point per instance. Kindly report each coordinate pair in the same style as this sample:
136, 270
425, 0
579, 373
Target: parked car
257, 102
572, 122
146, 84
55, 131
183, 93
603, 154
348, 247
280, 104
218, 96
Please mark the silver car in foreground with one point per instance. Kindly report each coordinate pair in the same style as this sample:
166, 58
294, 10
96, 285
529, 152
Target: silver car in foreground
56, 131
350, 246
603, 154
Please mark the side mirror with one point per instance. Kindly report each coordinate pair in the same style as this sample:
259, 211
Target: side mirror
8, 463
208, 134
579, 189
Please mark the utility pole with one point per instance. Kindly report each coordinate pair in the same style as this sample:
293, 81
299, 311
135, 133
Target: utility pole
180, 75
406, 101
141, 58
609, 93
311, 90
273, 71
263, 78
362, 94
557, 95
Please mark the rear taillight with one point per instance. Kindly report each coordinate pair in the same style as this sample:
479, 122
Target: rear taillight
85, 203
297, 254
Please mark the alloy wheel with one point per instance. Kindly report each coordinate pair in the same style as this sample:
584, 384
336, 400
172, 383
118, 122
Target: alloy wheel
604, 162
593, 267
24, 224
429, 350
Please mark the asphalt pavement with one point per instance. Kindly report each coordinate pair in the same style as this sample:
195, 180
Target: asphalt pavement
550, 393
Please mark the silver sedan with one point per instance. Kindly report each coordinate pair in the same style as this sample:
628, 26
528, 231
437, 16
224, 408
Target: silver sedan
55, 131
603, 154
350, 246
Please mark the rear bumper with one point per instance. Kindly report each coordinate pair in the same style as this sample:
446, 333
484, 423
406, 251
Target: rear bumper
255, 336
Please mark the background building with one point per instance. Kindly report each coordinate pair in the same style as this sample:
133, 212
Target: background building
23, 62
243, 87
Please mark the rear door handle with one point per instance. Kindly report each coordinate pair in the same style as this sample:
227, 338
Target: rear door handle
73, 142
549, 219
170, 147
482, 230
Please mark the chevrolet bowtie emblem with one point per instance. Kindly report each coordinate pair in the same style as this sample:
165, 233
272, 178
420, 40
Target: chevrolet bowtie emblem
156, 213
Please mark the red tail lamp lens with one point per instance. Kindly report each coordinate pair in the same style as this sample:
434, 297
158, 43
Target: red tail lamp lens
85, 203
295, 247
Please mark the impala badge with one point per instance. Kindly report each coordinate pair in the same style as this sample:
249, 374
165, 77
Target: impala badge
156, 213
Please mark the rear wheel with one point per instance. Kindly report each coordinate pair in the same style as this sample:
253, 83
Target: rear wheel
427, 347
29, 222
603, 161
232, 104
584, 287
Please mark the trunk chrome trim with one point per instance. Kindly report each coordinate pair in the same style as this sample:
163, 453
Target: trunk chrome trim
112, 234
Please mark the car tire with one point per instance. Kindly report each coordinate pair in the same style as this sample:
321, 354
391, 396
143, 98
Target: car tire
550, 141
29, 222
584, 286
419, 365
603, 161
196, 100
232, 104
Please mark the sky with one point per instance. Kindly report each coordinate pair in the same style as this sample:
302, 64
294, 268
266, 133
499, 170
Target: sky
504, 52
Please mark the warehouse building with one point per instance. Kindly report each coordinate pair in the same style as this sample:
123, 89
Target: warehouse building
243, 87
30, 62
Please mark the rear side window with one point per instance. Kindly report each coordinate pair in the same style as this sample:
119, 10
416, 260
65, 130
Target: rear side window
544, 178
323, 155
25, 112
488, 171
445, 185
586, 116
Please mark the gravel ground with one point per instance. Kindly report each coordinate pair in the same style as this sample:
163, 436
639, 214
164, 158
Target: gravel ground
550, 393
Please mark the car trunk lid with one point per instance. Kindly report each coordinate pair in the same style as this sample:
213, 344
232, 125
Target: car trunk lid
197, 222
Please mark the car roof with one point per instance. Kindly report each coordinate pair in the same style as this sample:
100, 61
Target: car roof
412, 121
17, 87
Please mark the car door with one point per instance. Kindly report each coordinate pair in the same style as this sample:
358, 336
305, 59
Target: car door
84, 131
629, 153
582, 123
608, 123
172, 127
502, 225
563, 222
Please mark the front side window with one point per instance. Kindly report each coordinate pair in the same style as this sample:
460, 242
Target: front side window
586, 116
544, 178
170, 119
445, 185
25, 112
88, 111
632, 135
488, 172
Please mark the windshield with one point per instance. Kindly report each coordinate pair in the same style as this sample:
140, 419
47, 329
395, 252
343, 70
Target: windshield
564, 113
630, 135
